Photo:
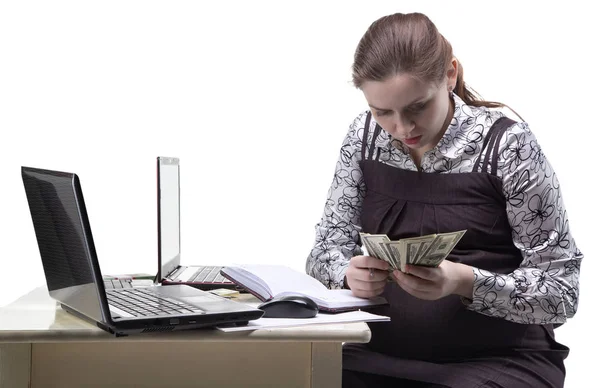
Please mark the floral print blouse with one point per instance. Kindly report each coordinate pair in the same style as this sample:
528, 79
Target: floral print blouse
544, 289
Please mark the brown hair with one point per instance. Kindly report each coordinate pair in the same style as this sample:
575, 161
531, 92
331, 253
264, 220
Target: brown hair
409, 43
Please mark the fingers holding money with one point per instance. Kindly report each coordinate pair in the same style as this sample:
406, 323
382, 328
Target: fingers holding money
364, 289
426, 251
435, 283
420, 288
427, 273
367, 276
369, 262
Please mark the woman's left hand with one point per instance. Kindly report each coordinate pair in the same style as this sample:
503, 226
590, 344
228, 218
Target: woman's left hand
436, 283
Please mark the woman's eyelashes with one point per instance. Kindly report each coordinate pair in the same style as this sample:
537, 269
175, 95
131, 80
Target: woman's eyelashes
417, 108
413, 109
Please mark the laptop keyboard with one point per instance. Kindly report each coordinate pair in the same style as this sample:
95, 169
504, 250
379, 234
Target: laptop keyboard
141, 302
111, 284
209, 274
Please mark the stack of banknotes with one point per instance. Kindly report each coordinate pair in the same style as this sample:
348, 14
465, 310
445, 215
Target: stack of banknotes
426, 251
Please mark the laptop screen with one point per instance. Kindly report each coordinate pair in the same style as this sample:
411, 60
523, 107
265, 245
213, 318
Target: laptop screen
64, 238
168, 215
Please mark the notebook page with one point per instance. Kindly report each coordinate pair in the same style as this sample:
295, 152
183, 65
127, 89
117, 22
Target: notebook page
282, 279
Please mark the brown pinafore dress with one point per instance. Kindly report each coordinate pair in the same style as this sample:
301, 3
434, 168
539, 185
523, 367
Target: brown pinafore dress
441, 342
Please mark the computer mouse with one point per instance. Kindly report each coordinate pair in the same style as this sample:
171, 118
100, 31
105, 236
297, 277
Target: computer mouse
290, 306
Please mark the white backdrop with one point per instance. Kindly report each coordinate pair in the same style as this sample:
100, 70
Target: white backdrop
255, 98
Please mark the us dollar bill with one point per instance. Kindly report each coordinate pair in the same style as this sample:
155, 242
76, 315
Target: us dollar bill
372, 243
397, 250
391, 259
428, 251
440, 248
412, 249
417, 246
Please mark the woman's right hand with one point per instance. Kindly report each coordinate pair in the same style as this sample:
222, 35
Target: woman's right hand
367, 276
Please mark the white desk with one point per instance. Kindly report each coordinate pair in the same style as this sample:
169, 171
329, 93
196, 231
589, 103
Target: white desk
43, 346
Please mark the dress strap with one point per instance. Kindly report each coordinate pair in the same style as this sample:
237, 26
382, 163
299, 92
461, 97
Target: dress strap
366, 136
365, 140
491, 146
376, 133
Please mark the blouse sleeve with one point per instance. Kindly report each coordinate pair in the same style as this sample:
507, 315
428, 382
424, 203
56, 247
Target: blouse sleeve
545, 288
337, 233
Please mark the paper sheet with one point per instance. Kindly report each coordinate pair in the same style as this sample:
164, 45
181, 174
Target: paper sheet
321, 318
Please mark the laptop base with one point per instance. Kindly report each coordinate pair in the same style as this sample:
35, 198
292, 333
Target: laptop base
204, 278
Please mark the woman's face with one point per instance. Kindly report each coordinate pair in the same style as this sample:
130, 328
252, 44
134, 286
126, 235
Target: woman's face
413, 112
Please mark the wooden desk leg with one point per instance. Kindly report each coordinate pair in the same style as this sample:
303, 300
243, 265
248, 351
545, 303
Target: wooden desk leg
326, 365
15, 365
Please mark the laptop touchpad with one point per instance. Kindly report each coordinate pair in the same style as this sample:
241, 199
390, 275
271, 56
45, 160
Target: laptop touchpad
186, 292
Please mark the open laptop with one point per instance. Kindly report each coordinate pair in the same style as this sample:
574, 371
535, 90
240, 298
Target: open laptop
74, 279
170, 270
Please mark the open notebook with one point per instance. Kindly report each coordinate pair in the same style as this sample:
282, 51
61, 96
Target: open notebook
269, 281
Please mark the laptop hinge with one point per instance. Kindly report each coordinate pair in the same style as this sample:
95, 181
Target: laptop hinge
173, 274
